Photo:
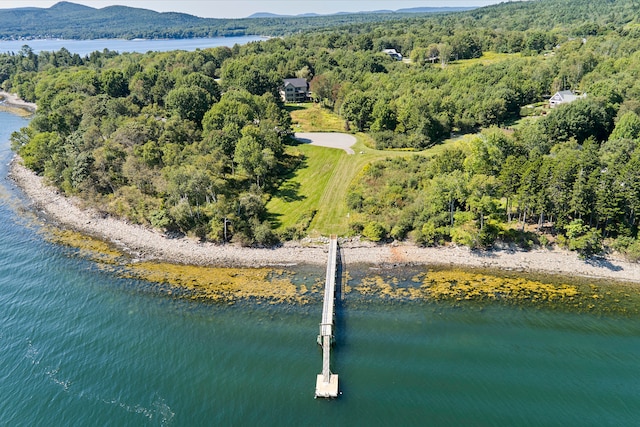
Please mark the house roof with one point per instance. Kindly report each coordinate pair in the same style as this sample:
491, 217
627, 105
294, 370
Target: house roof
566, 96
299, 83
566, 92
393, 54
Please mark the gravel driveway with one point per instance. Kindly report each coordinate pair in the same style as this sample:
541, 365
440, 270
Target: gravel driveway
342, 141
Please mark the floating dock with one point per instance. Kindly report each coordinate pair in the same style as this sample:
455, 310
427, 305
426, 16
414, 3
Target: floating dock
326, 382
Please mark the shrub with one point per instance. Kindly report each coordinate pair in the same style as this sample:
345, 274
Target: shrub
465, 234
431, 234
632, 253
385, 140
159, 218
354, 201
465, 230
628, 246
543, 240
264, 235
585, 240
402, 228
374, 231
356, 227
299, 230
488, 235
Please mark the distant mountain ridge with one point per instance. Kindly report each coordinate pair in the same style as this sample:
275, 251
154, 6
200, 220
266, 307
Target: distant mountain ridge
385, 11
74, 21
71, 20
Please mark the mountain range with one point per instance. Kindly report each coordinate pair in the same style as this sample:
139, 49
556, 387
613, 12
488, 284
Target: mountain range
75, 21
385, 11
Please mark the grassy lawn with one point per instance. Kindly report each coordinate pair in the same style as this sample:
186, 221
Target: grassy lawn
313, 118
301, 192
322, 181
487, 58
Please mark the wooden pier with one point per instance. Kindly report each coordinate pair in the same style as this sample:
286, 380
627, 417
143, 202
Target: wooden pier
326, 382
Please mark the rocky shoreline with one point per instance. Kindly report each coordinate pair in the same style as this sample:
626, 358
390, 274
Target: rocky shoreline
12, 102
147, 244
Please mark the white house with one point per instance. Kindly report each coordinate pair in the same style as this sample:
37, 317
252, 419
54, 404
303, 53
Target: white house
564, 97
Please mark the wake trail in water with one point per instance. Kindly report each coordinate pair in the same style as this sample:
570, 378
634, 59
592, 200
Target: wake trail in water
158, 411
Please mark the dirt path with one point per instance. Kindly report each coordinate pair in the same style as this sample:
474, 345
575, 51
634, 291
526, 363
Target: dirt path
342, 141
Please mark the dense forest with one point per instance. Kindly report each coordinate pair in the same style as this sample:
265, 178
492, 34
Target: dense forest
197, 142
73, 21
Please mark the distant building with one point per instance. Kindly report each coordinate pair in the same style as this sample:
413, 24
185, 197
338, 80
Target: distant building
393, 54
294, 90
564, 97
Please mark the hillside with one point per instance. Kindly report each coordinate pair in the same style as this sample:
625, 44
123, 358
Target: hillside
553, 14
69, 20
73, 21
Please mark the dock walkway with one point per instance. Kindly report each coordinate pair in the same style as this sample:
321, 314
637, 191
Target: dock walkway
326, 382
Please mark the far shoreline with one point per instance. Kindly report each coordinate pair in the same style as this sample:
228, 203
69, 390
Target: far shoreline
84, 47
142, 243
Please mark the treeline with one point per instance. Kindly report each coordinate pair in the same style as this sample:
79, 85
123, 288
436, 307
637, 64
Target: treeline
501, 186
580, 17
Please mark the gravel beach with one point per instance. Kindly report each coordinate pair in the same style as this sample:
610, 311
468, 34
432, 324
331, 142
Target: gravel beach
11, 100
147, 244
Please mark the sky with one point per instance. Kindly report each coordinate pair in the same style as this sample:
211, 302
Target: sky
244, 8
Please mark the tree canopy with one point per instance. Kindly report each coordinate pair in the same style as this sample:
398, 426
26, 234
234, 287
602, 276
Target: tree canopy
197, 141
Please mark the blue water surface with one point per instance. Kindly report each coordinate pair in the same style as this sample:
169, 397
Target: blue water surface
85, 47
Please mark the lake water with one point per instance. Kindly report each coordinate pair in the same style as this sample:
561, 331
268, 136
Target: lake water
85, 47
80, 346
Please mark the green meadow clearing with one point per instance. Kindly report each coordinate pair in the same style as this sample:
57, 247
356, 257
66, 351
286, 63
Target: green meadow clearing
322, 181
